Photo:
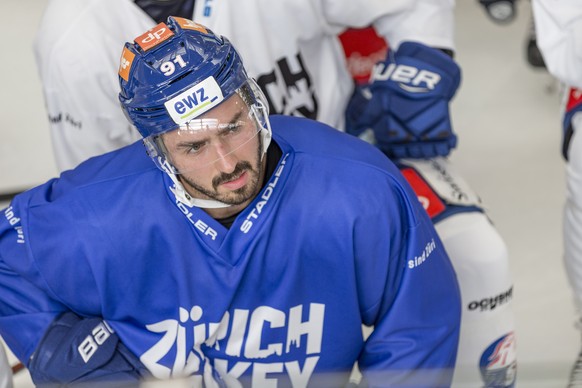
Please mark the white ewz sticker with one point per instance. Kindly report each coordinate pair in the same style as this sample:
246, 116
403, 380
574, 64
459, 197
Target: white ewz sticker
196, 100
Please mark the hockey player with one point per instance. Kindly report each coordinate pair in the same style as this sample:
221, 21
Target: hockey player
292, 50
559, 37
244, 249
294, 53
420, 82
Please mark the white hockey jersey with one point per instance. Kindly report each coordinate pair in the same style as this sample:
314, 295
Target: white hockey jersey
558, 26
77, 50
289, 46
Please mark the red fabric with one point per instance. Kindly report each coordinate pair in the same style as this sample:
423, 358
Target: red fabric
362, 48
426, 195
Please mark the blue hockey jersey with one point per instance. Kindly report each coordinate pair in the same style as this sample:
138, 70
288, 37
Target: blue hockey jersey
335, 240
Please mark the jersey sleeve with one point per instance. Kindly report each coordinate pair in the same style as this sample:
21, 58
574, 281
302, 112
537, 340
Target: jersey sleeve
558, 25
430, 22
80, 90
26, 310
51, 314
410, 296
43, 266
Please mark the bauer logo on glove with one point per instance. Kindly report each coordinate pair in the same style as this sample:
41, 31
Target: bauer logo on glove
410, 78
406, 103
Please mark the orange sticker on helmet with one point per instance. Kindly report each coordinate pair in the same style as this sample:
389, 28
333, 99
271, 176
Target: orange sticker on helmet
154, 36
187, 24
125, 63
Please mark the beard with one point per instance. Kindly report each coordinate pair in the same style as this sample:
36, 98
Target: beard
235, 197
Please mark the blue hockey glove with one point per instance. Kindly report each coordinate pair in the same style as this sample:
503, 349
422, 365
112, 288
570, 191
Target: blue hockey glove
406, 103
75, 350
573, 107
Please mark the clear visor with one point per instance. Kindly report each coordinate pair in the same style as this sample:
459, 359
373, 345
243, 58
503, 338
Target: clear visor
228, 131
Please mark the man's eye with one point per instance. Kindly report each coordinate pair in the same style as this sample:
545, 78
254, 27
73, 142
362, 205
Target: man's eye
194, 148
234, 127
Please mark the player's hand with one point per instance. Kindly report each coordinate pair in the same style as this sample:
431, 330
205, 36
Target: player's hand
75, 350
572, 118
406, 103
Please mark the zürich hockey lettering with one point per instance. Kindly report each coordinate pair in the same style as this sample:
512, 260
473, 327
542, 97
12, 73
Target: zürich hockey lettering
254, 214
409, 77
15, 222
418, 260
241, 334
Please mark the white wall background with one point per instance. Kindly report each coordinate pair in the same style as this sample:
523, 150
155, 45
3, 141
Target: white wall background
25, 147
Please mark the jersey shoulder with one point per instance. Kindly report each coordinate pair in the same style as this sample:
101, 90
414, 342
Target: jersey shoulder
306, 136
46, 224
115, 170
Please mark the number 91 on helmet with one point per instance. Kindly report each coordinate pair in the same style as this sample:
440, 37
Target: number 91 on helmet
186, 91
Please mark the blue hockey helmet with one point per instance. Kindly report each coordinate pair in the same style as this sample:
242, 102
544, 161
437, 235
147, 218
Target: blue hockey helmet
176, 72
168, 60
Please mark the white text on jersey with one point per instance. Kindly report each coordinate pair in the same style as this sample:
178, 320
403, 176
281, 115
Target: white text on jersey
198, 224
254, 214
15, 222
240, 333
418, 260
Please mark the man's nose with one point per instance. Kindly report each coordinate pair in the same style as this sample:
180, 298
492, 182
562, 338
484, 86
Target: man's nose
226, 159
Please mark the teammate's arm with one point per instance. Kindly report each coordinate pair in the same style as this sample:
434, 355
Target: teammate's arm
81, 102
559, 38
430, 22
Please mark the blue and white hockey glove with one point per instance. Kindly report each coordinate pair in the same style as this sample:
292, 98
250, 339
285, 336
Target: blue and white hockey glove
572, 118
76, 350
406, 103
